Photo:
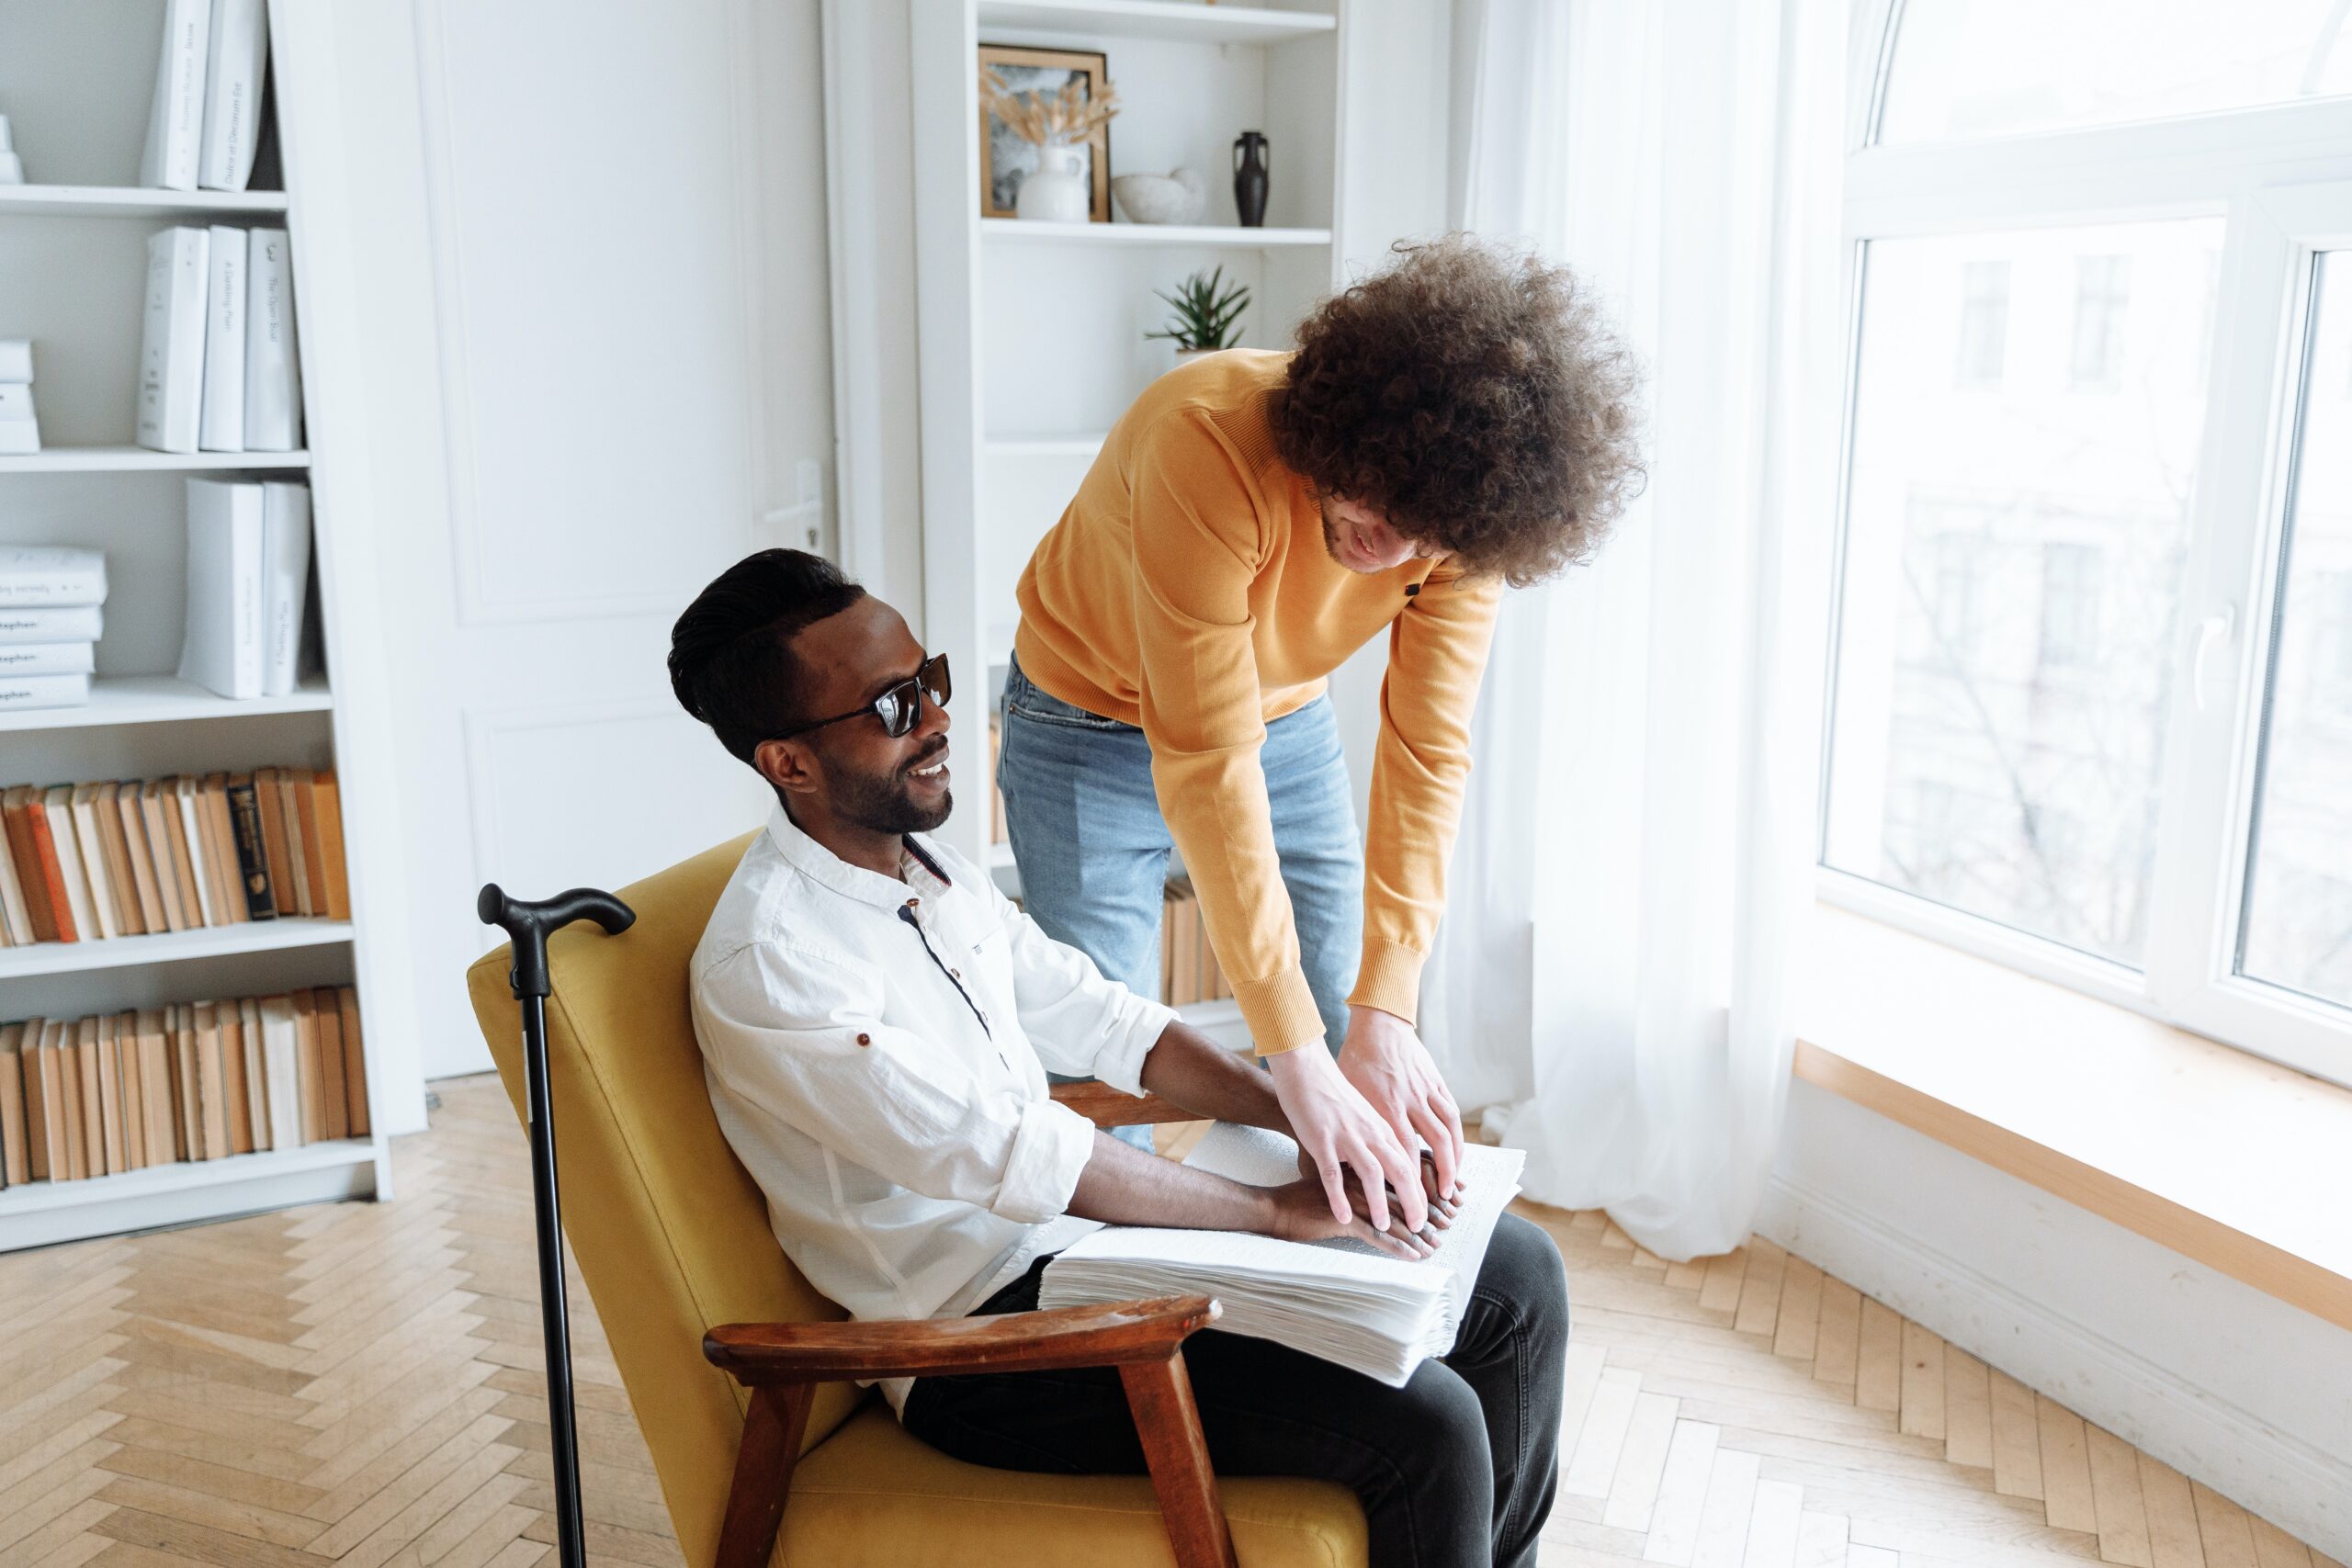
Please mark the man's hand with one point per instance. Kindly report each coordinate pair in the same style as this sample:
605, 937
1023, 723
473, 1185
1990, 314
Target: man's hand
1390, 1068
1442, 1210
1296, 1213
1332, 1122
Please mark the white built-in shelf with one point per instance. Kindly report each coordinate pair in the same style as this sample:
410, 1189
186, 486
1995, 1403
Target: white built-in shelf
1085, 446
139, 459
169, 947
133, 201
161, 699
1036, 232
1183, 21
37, 1196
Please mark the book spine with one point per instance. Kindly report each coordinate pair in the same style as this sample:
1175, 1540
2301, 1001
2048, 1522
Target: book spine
286, 575
46, 658
52, 871
273, 372
327, 797
171, 371
78, 623
62, 588
355, 1060
175, 123
245, 812
223, 427
233, 94
43, 692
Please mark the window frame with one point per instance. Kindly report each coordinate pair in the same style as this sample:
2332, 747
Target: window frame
2279, 176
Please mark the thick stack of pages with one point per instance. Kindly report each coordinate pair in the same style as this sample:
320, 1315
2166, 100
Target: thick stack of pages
1340, 1300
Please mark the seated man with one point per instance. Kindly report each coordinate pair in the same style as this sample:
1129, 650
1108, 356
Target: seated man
876, 1021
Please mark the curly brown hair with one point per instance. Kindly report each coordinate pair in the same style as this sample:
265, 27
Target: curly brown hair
1476, 399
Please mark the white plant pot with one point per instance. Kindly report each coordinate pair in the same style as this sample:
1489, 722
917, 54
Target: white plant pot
1055, 191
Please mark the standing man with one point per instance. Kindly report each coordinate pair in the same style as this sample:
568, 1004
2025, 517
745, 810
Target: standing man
1457, 422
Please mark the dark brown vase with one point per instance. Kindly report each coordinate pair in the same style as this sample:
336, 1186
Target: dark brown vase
1249, 178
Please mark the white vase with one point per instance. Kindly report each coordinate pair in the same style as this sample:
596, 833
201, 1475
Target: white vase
1056, 190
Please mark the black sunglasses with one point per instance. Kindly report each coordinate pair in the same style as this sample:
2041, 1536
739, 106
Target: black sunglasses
897, 707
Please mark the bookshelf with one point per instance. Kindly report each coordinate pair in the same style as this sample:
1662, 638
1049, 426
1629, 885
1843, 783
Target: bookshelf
75, 81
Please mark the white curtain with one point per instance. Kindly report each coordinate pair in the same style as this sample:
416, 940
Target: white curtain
1637, 853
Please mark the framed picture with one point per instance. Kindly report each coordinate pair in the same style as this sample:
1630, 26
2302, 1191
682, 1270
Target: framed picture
1005, 157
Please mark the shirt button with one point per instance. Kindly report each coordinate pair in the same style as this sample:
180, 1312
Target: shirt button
865, 1039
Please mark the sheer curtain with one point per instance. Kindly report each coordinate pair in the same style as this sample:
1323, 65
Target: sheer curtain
1637, 849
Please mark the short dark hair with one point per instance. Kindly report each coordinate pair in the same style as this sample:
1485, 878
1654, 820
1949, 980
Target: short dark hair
730, 653
1476, 399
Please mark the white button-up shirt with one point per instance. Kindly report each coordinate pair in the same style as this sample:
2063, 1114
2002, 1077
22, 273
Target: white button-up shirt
877, 1053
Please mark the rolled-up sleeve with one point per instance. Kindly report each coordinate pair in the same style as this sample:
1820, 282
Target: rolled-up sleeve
1080, 1023
796, 1038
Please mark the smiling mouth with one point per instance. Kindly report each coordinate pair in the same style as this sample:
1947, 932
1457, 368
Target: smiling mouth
932, 771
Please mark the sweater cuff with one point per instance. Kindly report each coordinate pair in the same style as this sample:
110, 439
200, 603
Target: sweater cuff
1281, 1011
1389, 978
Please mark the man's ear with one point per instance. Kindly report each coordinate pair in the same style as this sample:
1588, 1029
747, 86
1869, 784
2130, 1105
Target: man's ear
786, 765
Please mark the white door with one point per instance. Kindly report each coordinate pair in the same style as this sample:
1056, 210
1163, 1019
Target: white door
599, 376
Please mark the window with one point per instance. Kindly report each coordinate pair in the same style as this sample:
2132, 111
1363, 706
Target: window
1984, 323
2102, 291
2090, 711
1977, 68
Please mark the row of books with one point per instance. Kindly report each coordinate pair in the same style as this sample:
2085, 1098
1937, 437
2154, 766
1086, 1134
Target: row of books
217, 366
101, 1095
50, 600
93, 861
1188, 969
205, 124
19, 424
248, 573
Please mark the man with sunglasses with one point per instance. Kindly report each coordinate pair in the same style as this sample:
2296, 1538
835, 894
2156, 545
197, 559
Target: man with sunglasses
876, 1021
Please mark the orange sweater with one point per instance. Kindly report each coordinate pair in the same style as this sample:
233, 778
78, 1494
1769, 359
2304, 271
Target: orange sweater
1187, 589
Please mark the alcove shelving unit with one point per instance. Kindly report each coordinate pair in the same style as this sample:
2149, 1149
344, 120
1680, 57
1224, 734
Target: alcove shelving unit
75, 81
1033, 336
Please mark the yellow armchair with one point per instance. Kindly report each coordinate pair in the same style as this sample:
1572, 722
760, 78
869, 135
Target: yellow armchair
672, 1237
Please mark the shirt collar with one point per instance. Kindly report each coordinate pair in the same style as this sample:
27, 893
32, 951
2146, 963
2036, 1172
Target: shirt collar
813, 860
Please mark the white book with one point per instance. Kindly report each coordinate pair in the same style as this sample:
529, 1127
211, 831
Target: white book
73, 623
46, 658
286, 577
51, 576
58, 803
257, 1072
92, 848
1340, 1300
16, 359
222, 645
43, 692
15, 400
12, 903
19, 437
184, 802
273, 373
170, 359
232, 73
278, 1050
175, 118
223, 427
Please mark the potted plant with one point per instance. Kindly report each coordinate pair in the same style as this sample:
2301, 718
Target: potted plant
1205, 314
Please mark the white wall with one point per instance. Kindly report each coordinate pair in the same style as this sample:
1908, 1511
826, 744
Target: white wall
2248, 1394
594, 234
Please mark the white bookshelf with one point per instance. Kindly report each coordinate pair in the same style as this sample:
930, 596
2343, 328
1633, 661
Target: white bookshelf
75, 81
1158, 236
1183, 21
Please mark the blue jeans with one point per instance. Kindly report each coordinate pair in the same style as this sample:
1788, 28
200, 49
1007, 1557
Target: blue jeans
1093, 847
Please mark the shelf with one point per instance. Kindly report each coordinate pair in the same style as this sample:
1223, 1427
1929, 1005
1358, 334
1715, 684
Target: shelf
161, 699
169, 947
133, 201
139, 459
182, 1176
1022, 232
42, 1213
1047, 446
1183, 21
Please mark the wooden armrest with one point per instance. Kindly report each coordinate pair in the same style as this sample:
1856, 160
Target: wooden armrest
1108, 1107
762, 1353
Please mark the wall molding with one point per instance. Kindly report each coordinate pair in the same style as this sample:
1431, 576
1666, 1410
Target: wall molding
2296, 1485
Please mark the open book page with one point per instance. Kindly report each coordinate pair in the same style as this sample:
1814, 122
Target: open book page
1340, 1299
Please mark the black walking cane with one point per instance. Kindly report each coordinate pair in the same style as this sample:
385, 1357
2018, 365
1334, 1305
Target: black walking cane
530, 925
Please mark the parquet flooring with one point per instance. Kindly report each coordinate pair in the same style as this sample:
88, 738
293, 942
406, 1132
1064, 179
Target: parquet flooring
360, 1384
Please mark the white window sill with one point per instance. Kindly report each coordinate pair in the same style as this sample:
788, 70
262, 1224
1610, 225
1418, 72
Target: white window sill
2244, 1166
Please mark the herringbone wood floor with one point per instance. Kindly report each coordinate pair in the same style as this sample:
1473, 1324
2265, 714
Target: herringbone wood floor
359, 1383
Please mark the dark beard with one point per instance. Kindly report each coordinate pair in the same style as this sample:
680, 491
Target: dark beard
884, 803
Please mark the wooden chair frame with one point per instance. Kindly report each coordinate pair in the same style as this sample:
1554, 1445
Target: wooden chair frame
782, 1363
